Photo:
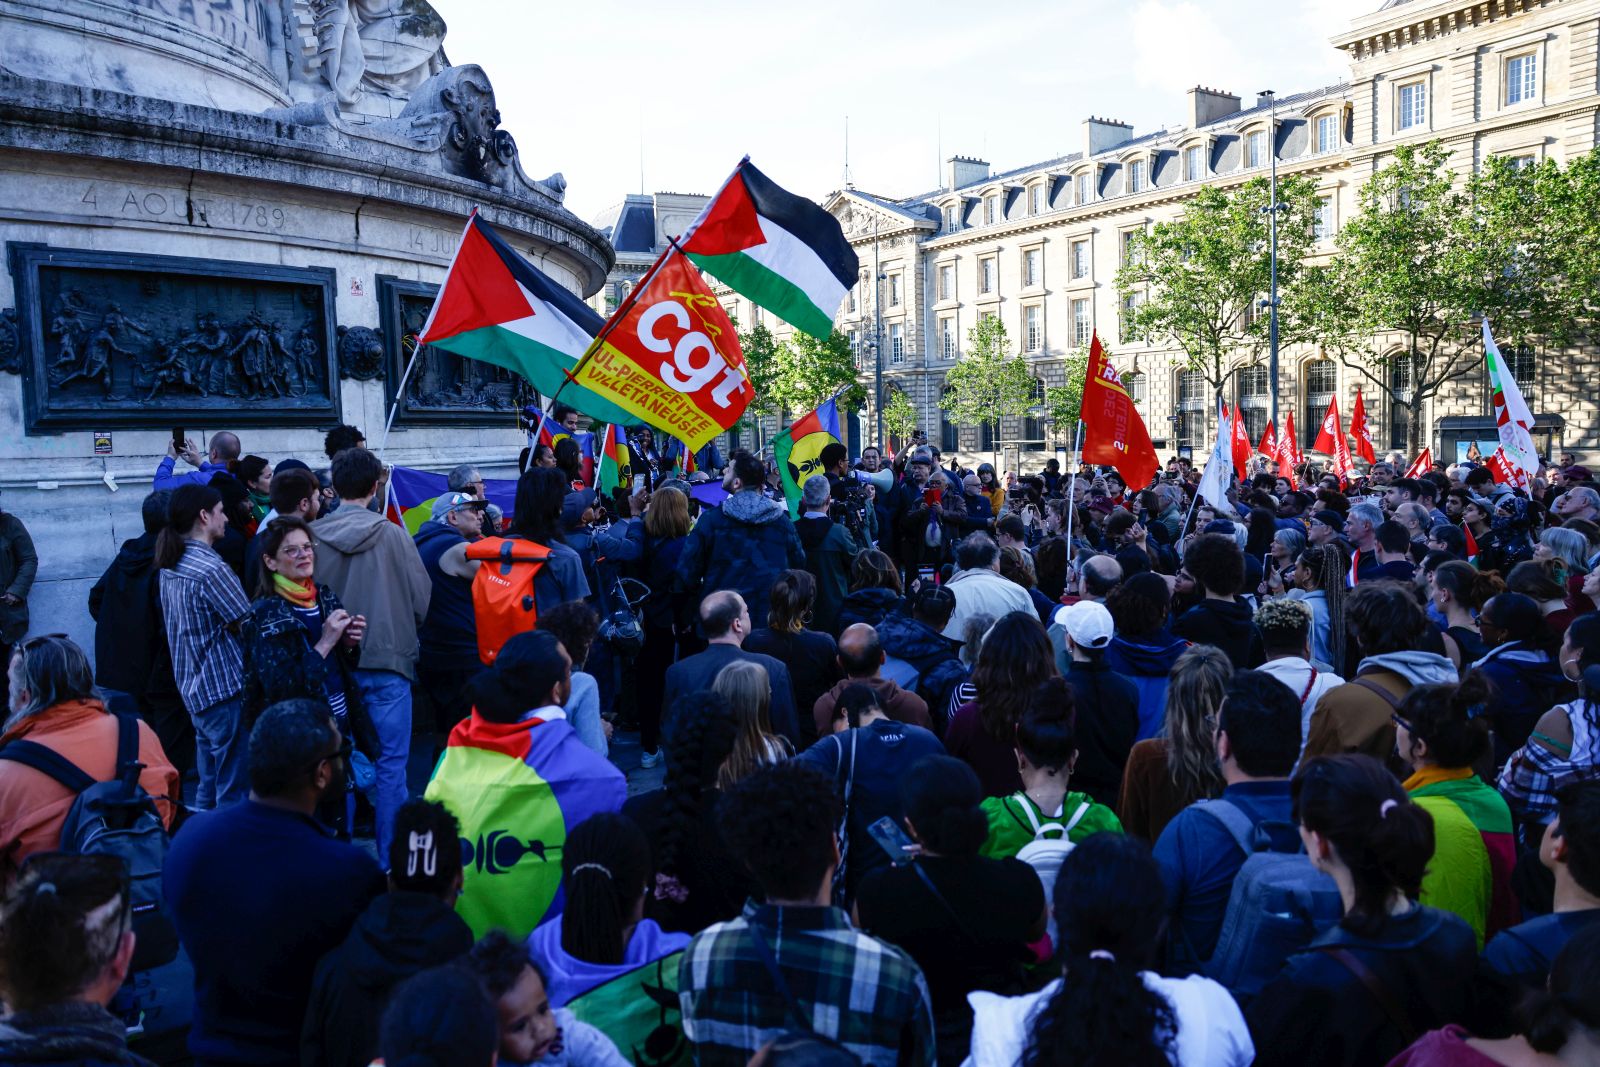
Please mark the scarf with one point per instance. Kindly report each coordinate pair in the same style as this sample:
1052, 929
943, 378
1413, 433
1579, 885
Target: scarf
300, 594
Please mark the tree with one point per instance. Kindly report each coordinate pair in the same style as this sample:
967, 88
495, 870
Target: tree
1198, 279
761, 362
1064, 403
1425, 259
810, 371
900, 416
989, 383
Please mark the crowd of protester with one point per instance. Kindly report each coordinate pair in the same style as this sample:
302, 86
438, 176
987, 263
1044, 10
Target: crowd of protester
981, 768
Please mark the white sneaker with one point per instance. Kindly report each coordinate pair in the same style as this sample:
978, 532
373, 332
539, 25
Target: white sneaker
649, 759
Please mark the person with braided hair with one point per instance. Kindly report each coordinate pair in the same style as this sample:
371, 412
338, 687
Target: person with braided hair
1110, 1005
1391, 968
1319, 584
697, 881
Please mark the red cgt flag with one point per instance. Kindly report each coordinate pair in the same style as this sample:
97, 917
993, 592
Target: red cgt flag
1113, 432
1331, 439
1423, 464
1358, 430
1269, 441
1241, 443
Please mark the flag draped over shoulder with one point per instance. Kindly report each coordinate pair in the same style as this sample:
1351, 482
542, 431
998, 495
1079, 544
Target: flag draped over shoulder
798, 450
781, 251
518, 789
496, 307
614, 467
1113, 432
1512, 418
412, 494
1359, 430
669, 357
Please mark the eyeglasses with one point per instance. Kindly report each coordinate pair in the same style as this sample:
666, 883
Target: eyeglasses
298, 551
1399, 722
336, 754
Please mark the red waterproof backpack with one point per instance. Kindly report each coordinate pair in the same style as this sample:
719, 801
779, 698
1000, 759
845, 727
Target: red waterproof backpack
503, 603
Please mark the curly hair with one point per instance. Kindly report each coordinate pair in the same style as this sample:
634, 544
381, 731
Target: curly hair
1111, 910
1284, 624
1450, 720
1140, 606
704, 737
1217, 563
575, 625
1199, 679
1015, 659
781, 822
498, 961
1016, 566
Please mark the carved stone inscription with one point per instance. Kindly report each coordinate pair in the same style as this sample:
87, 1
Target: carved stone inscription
443, 387
144, 340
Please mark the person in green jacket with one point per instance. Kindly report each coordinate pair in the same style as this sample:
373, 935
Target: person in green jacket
1046, 808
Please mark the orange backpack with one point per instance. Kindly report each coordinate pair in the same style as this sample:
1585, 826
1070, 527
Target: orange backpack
502, 592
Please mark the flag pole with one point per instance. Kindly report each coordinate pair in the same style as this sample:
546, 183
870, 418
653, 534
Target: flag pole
616, 318
1072, 483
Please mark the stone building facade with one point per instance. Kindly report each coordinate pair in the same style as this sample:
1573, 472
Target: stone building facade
1039, 245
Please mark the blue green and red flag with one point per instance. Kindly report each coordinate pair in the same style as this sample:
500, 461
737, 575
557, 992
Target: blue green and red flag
798, 450
518, 789
615, 465
412, 494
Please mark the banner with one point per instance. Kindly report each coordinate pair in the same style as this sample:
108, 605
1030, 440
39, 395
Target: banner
1113, 432
669, 357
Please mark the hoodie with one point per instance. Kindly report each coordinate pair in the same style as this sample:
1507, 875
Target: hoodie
399, 935
829, 549
1318, 1011
375, 570
1146, 661
1227, 624
1527, 683
130, 647
1355, 717
743, 545
567, 977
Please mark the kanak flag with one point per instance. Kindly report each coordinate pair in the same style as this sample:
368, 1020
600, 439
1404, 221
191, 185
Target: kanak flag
1422, 465
1113, 432
1358, 430
669, 357
613, 465
496, 307
1331, 439
1241, 443
1269, 441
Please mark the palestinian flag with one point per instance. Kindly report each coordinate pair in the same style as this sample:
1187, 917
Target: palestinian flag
1472, 545
496, 307
798, 450
613, 469
781, 251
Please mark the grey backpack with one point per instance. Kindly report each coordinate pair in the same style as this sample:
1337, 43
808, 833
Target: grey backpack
1279, 903
115, 818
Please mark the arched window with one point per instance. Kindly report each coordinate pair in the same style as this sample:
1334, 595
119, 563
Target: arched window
949, 432
1136, 385
1191, 408
1400, 380
1253, 395
1322, 381
1033, 424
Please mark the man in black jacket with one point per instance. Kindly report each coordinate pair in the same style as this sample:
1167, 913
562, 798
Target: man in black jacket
407, 930
726, 622
133, 665
19, 563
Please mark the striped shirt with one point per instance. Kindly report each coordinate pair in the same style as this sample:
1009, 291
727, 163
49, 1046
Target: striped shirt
864, 993
203, 602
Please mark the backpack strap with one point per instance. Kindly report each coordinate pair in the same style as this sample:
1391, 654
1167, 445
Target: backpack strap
128, 765
1034, 824
1395, 1009
1389, 698
1236, 822
49, 762
1077, 817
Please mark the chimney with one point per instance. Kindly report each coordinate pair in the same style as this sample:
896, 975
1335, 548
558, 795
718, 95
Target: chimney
963, 170
1101, 134
1208, 105
1263, 100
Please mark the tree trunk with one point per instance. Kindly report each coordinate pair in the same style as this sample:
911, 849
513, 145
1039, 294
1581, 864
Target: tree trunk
1415, 436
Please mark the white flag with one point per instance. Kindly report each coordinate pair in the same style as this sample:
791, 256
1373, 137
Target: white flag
1219, 468
1513, 420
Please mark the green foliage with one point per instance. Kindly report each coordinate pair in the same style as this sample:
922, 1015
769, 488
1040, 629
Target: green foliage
900, 416
1425, 258
1063, 403
1200, 277
761, 362
810, 371
989, 383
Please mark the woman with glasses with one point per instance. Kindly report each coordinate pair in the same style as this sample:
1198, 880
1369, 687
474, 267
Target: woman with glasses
66, 944
299, 641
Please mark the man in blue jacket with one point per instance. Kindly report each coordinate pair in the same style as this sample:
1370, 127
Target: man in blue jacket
742, 545
224, 450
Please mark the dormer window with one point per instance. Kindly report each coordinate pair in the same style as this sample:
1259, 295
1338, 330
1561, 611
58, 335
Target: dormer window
1136, 179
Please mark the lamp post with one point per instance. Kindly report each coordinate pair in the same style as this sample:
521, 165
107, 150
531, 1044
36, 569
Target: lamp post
1272, 294
877, 337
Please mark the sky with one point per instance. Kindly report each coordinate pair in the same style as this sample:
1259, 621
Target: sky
601, 90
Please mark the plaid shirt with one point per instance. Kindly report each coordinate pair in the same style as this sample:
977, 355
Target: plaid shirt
202, 600
864, 993
1537, 771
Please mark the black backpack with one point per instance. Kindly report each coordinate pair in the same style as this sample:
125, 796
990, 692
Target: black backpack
115, 818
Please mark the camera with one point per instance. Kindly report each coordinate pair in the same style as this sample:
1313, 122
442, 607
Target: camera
849, 506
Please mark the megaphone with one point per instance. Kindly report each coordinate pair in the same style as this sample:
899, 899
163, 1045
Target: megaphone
883, 480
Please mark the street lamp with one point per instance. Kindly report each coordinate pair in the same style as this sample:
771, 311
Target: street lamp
877, 334
1272, 295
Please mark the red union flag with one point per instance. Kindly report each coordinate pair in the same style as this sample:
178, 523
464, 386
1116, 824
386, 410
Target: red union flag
1423, 464
1358, 430
1113, 432
1331, 440
670, 358
1269, 441
1241, 442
